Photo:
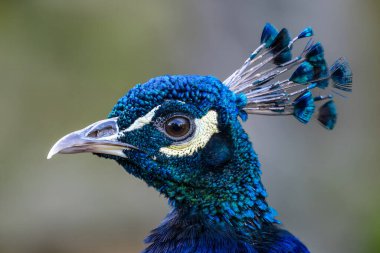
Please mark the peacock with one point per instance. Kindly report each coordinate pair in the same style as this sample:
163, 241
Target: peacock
183, 136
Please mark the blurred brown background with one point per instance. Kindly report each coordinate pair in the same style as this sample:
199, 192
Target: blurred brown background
63, 64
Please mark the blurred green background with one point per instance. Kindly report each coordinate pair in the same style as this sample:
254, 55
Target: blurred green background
63, 64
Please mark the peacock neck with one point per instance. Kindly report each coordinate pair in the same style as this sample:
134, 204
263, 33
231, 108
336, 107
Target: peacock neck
184, 231
225, 219
231, 218
236, 201
232, 211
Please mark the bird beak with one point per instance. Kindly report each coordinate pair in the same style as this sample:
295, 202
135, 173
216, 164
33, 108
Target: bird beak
100, 137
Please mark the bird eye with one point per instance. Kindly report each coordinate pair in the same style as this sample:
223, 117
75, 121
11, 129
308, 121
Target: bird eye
178, 127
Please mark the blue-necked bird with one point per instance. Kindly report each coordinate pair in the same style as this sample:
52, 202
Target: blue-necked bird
182, 135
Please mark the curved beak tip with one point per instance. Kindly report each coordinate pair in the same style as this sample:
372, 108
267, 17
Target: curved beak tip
61, 144
50, 155
53, 151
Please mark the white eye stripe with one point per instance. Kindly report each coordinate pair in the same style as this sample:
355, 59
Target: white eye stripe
205, 128
142, 121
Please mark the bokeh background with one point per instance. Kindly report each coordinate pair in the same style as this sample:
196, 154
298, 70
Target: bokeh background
63, 64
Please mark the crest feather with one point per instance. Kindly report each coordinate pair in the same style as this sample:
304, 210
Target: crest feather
261, 78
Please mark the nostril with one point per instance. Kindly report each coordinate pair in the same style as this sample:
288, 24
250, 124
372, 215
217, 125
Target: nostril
104, 132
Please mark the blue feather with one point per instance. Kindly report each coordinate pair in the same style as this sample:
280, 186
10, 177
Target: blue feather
303, 74
323, 84
285, 242
243, 115
307, 32
341, 75
281, 41
283, 57
268, 35
304, 107
315, 54
327, 115
281, 47
321, 73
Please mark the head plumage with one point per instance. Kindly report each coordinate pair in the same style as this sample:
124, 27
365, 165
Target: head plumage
260, 78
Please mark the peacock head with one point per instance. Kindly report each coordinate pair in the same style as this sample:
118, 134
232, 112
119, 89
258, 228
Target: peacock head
183, 134
180, 134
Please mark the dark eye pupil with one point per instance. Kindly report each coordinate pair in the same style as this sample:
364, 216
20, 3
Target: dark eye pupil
177, 126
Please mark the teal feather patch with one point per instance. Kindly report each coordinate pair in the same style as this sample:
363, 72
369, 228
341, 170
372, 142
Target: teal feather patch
307, 32
303, 74
304, 107
341, 74
315, 53
268, 35
327, 115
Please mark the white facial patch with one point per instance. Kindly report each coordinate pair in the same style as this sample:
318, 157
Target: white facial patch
143, 120
205, 128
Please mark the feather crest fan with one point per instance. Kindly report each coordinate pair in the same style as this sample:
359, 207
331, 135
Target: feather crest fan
261, 80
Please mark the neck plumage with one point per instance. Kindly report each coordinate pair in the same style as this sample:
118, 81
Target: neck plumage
233, 217
182, 231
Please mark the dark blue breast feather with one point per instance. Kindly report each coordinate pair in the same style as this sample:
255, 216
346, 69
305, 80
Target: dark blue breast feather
181, 233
